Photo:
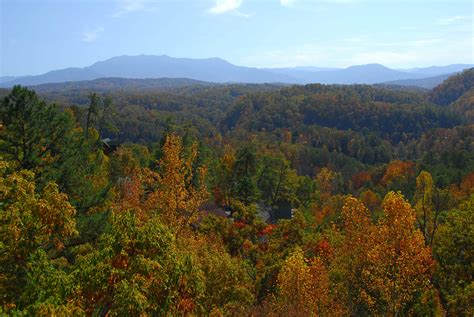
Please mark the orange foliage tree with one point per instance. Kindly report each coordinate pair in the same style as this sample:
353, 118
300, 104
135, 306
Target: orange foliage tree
177, 193
370, 199
399, 263
382, 266
398, 171
304, 287
351, 255
360, 179
467, 184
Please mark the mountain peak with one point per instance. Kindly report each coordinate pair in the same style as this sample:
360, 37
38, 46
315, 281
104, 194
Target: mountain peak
372, 66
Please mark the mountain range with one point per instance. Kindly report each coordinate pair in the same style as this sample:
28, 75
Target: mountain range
217, 70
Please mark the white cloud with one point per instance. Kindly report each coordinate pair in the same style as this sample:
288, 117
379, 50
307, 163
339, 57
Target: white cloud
365, 50
422, 52
287, 3
91, 36
223, 6
243, 15
450, 20
127, 6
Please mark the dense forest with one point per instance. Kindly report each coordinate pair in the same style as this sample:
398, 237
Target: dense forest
174, 197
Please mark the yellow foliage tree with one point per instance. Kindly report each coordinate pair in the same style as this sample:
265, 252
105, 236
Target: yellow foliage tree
325, 181
399, 263
177, 192
427, 222
29, 221
351, 259
304, 287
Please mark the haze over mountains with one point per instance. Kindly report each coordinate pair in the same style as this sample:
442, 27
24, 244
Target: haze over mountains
217, 70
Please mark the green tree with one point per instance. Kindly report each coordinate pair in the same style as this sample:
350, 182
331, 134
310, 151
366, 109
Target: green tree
100, 115
276, 180
43, 139
453, 250
32, 131
244, 170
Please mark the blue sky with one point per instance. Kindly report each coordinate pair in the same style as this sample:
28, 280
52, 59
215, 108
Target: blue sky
42, 35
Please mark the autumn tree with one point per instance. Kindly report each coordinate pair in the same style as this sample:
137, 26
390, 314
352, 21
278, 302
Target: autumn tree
467, 184
385, 267
398, 175
225, 181
399, 265
238, 235
426, 217
149, 261
228, 283
33, 225
326, 182
175, 195
304, 287
360, 179
371, 200
351, 256
137, 268
127, 160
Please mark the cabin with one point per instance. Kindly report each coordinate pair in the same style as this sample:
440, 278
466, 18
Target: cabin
210, 208
281, 210
264, 212
108, 146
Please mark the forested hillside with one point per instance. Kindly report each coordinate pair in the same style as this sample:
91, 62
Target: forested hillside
168, 198
453, 88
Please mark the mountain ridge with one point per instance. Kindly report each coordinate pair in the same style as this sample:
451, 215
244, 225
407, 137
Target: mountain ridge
217, 70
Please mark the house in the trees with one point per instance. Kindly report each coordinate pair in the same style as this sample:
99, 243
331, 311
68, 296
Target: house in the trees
108, 146
281, 210
210, 208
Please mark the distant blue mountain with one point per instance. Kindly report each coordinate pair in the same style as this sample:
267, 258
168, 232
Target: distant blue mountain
149, 66
360, 74
217, 70
427, 83
438, 70
302, 74
5, 79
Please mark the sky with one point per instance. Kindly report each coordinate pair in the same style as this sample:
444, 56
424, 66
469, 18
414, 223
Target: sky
37, 36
